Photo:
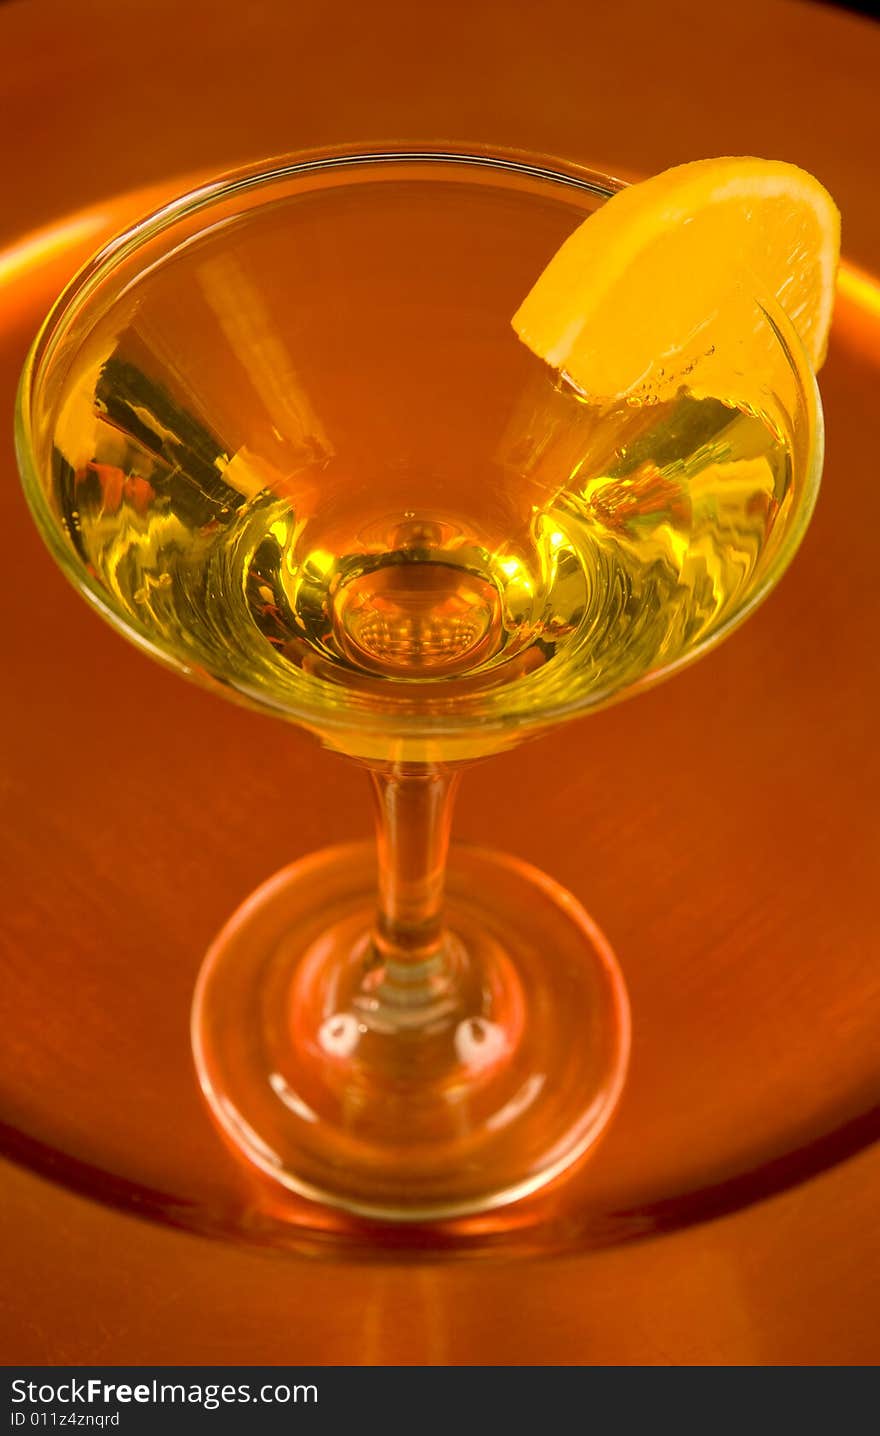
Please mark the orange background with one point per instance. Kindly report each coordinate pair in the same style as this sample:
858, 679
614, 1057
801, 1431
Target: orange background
722, 828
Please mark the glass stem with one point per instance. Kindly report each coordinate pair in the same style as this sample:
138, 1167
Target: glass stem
414, 803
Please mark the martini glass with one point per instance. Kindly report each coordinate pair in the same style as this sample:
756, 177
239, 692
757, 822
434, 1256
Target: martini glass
282, 436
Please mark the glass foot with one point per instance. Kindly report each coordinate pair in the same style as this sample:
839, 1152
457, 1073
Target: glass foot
417, 1092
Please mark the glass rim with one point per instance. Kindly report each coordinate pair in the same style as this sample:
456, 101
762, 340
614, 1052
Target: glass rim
554, 170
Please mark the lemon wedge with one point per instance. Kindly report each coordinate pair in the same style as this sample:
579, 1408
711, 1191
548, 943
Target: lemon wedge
664, 272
